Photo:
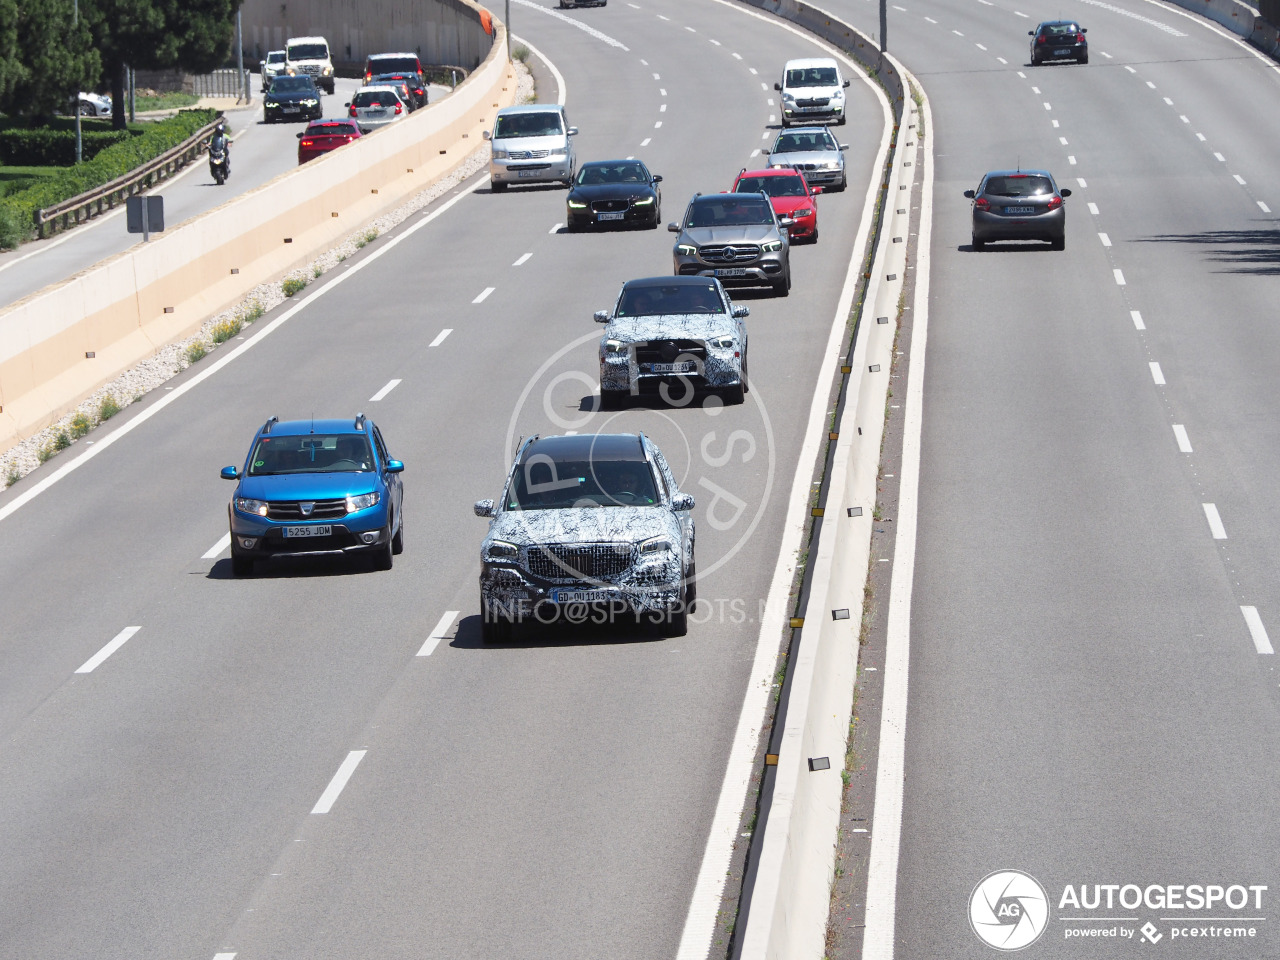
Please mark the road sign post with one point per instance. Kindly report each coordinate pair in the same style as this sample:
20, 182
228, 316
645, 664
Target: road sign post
145, 215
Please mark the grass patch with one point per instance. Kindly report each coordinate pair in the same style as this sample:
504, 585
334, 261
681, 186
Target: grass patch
294, 285
367, 237
316, 271
252, 312
196, 352
165, 101
520, 52
108, 407
81, 424
224, 331
12, 475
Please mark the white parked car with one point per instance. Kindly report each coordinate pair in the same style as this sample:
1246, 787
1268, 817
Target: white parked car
376, 106
94, 105
271, 67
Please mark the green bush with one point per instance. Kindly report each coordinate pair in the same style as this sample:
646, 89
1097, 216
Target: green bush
108, 407
13, 475
226, 329
12, 230
294, 285
113, 162
55, 148
196, 352
81, 424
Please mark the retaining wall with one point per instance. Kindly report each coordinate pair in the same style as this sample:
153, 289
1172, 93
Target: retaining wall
1241, 19
126, 307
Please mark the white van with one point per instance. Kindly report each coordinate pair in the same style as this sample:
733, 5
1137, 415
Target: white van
812, 91
532, 143
310, 56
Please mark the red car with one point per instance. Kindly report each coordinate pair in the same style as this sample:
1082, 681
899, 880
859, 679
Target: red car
321, 136
790, 195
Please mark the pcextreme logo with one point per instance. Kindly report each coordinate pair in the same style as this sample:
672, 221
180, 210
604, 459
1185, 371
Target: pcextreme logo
1009, 910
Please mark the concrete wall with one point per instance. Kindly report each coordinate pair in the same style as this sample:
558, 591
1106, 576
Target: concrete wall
126, 307
1257, 25
439, 31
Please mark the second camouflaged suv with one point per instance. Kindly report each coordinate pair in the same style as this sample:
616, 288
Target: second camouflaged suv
736, 238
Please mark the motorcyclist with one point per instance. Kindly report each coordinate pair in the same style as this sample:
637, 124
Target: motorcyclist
220, 143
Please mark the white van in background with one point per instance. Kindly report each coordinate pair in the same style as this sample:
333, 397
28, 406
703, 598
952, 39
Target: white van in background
310, 56
812, 91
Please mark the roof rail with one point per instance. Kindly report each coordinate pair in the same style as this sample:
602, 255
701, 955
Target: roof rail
266, 427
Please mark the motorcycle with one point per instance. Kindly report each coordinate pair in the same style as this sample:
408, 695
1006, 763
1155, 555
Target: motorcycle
220, 163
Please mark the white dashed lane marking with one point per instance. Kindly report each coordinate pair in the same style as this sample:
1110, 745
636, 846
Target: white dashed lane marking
1151, 85
754, 71
524, 258
382, 393
1263, 207
1063, 141
484, 295
1071, 160
1215, 522
1156, 373
1220, 158
1168, 101
339, 781
1093, 208
737, 56
116, 643
1106, 241
1080, 180
555, 228
1180, 434
1239, 179
1130, 69
646, 141
1136, 317
1200, 137
440, 632
440, 338
1183, 118
663, 108
1261, 642
1003, 60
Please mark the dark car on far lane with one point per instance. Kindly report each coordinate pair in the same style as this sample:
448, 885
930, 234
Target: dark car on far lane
1058, 40
1019, 205
292, 98
614, 191
413, 91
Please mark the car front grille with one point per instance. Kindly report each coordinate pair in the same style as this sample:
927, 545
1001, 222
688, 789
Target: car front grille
528, 154
730, 252
609, 206
814, 102
667, 351
579, 561
292, 509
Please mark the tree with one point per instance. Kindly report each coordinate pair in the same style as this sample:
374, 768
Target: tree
46, 57
192, 35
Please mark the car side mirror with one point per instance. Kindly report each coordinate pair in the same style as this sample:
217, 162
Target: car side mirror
347, 104
844, 146
846, 83
673, 227
601, 316
682, 502
229, 473
815, 190
572, 131
785, 221
485, 508
741, 311
299, 136
1065, 192
487, 135
778, 87
657, 178
395, 466
970, 194
261, 64
764, 153
1031, 33
1084, 29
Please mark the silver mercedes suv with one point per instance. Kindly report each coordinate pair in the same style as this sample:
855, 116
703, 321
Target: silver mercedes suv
736, 238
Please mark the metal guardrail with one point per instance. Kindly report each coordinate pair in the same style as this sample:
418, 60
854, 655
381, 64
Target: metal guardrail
91, 203
226, 82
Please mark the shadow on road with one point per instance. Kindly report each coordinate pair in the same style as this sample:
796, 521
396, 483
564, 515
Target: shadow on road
1253, 252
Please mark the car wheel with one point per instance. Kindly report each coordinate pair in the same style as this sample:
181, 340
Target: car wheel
495, 628
978, 245
397, 542
612, 399
496, 186
735, 394
674, 622
1059, 244
241, 564
746, 383
572, 226
1084, 59
691, 586
844, 182
382, 553
783, 286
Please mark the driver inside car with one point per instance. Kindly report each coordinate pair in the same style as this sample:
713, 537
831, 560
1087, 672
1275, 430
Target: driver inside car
628, 488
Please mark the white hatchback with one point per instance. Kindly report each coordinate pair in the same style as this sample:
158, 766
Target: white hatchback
376, 106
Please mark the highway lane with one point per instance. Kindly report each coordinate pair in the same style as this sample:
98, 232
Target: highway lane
1087, 701
550, 798
260, 152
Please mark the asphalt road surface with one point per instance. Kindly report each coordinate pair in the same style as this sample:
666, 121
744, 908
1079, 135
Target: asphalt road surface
1093, 698
551, 798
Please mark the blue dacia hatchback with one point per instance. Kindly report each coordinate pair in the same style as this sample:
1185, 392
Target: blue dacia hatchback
314, 487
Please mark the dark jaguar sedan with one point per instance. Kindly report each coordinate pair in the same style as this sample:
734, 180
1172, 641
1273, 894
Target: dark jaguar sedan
1058, 40
1018, 205
292, 98
614, 191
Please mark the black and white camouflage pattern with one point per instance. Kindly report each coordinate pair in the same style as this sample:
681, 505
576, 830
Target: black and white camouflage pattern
722, 367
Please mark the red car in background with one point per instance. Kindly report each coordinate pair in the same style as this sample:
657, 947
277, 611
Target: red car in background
790, 195
321, 136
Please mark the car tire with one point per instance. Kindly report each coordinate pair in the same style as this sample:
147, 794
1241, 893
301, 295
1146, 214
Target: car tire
496, 628
746, 382
844, 183
1084, 59
978, 245
691, 586
383, 556
241, 564
496, 186
1059, 244
397, 542
612, 399
736, 394
783, 287
675, 623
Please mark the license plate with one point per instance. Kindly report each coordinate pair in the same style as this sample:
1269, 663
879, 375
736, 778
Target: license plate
377, 113
322, 530
582, 596
528, 173
731, 272
1059, 53
1019, 209
686, 366
292, 109
610, 216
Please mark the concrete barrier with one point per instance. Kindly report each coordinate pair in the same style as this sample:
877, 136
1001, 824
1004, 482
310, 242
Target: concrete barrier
59, 345
1241, 19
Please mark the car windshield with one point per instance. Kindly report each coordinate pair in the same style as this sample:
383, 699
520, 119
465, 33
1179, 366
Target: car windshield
773, 186
726, 208
393, 65
812, 77
816, 140
541, 483
651, 300
292, 85
312, 453
375, 98
597, 173
1059, 29
1018, 185
308, 51
275, 56
527, 125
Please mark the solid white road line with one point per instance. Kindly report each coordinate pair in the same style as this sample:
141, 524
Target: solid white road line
1119, 278
1263, 207
524, 258
1137, 320
384, 391
1180, 434
484, 295
217, 548
119, 641
439, 633
1261, 642
331, 792
1093, 208
592, 31
1215, 522
439, 338
1106, 241
1156, 373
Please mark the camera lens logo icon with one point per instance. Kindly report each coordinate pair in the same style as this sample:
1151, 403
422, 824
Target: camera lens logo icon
1009, 910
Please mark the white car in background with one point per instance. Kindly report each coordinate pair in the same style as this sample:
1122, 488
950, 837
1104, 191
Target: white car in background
376, 106
94, 105
271, 67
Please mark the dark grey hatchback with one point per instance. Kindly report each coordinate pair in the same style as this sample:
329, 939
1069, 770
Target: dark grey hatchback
1058, 40
1019, 205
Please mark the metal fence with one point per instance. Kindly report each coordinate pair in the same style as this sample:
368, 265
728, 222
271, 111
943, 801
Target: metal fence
227, 82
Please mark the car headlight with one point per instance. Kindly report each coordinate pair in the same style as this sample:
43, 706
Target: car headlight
362, 502
615, 346
499, 154
501, 550
271, 103
654, 545
327, 71
310, 102
724, 342
291, 71
788, 98
803, 212
688, 249
245, 505
778, 166
646, 202
771, 246
833, 164
577, 205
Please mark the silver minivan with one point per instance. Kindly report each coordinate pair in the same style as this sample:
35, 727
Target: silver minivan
532, 143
